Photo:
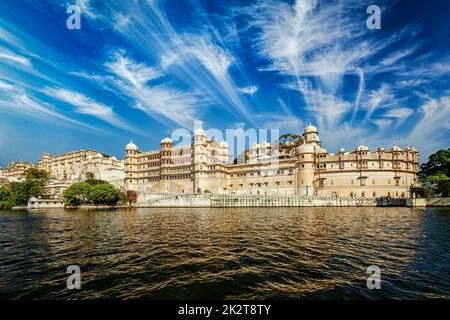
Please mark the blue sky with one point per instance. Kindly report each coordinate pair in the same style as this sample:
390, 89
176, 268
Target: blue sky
138, 69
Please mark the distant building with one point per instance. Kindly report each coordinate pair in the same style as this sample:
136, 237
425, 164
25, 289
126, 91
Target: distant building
3, 180
204, 166
15, 171
73, 166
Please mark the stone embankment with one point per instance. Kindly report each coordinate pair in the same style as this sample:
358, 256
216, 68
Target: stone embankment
226, 200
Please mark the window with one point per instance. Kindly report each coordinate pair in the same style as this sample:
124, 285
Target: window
374, 194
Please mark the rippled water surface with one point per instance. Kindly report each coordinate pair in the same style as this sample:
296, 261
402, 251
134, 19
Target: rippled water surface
254, 253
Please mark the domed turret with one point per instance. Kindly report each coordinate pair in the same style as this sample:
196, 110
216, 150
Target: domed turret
166, 140
311, 135
199, 132
223, 144
310, 128
131, 146
362, 148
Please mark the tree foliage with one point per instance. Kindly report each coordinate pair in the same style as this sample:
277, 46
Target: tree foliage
98, 193
103, 193
18, 193
77, 194
290, 141
435, 174
4, 198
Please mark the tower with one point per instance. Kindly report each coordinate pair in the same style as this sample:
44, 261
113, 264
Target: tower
166, 161
305, 169
45, 162
200, 163
131, 151
306, 161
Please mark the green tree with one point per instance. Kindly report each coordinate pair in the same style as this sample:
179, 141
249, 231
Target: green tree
289, 141
36, 174
103, 193
435, 174
123, 197
20, 193
5, 195
77, 194
92, 181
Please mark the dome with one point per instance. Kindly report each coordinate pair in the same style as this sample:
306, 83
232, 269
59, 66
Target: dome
362, 148
166, 140
396, 148
131, 146
199, 132
310, 128
305, 148
223, 144
321, 150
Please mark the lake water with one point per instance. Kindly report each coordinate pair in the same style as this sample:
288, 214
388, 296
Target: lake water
230, 253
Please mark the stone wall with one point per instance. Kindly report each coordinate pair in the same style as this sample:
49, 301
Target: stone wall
214, 200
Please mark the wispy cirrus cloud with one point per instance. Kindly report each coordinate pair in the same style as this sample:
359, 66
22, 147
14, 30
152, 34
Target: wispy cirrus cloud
87, 106
251, 90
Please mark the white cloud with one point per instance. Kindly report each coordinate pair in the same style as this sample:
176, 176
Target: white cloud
138, 74
5, 86
382, 124
87, 106
22, 103
131, 78
381, 98
14, 58
213, 57
433, 129
251, 90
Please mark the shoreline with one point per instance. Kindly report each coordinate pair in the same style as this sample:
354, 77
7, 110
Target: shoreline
247, 201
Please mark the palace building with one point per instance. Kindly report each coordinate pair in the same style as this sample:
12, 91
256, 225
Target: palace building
73, 166
15, 171
205, 166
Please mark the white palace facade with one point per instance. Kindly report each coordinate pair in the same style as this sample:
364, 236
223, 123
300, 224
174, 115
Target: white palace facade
205, 166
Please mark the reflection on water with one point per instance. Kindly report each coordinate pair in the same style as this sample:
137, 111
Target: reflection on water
237, 253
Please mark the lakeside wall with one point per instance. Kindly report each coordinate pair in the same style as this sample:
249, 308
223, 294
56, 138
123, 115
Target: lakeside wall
147, 199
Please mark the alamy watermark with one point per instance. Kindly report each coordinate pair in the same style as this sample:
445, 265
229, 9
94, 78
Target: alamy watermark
74, 280
374, 279
73, 22
374, 20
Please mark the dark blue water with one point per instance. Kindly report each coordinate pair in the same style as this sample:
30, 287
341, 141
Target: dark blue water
254, 253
